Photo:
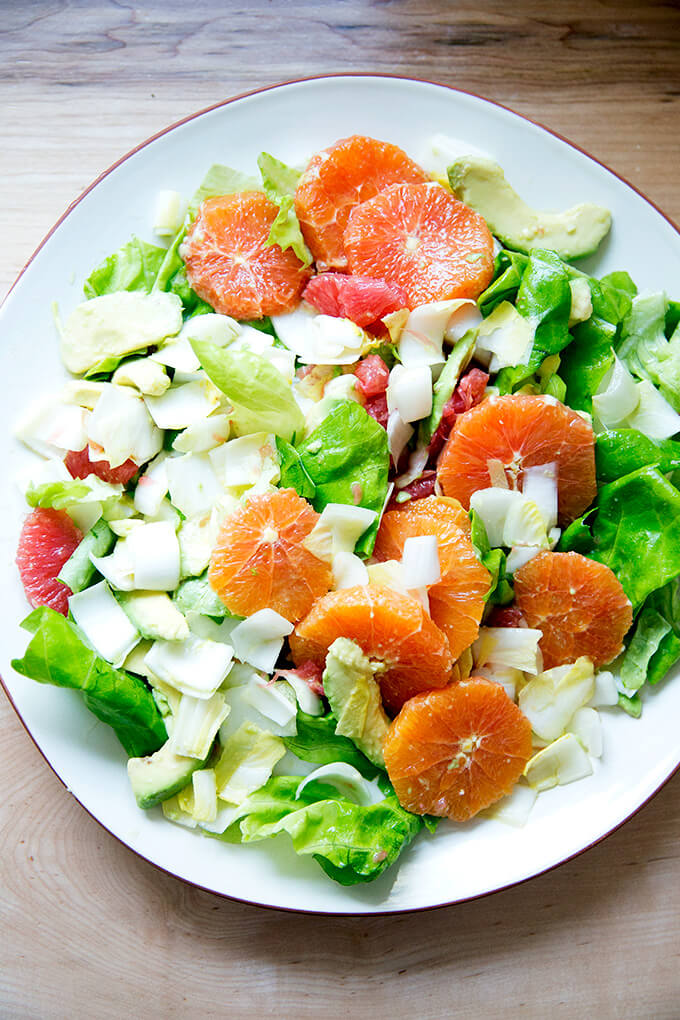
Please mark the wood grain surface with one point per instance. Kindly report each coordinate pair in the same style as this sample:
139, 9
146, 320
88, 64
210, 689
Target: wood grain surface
88, 929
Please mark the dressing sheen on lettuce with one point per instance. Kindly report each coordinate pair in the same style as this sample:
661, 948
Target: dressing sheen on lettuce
57, 655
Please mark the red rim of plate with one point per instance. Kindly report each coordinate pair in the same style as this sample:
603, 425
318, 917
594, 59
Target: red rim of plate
70, 208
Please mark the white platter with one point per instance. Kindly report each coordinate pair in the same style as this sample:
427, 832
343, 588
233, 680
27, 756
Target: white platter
291, 121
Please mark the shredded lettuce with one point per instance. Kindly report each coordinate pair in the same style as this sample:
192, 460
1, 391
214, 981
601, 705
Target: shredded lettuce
347, 457
262, 399
57, 654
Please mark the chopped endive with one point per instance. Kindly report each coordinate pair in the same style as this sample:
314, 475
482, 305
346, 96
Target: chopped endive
561, 762
508, 646
398, 433
410, 391
169, 212
196, 723
117, 567
338, 529
121, 425
194, 666
348, 571
144, 375
204, 789
184, 405
492, 505
51, 427
420, 561
347, 780
505, 338
308, 701
515, 808
510, 679
152, 487
581, 301
524, 526
617, 396
606, 693
550, 699
653, 415
193, 484
247, 460
586, 725
258, 640
203, 435
154, 552
197, 537
275, 701
539, 484
155, 615
320, 339
175, 813
83, 392
104, 623
387, 574
246, 762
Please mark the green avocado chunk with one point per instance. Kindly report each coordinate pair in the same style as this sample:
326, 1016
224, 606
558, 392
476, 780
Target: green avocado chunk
573, 233
160, 776
354, 696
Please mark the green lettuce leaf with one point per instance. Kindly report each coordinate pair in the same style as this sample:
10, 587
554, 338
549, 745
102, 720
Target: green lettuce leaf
56, 495
544, 296
58, 655
133, 267
636, 531
262, 399
316, 741
172, 278
78, 571
500, 590
646, 350
621, 451
293, 473
509, 267
195, 595
279, 182
347, 457
650, 630
351, 843
221, 180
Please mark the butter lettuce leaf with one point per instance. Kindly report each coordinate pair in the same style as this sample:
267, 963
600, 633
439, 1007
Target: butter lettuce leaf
172, 278
347, 457
646, 350
133, 267
509, 267
293, 473
317, 742
221, 180
279, 182
636, 531
352, 844
621, 451
650, 630
544, 296
500, 590
79, 570
262, 399
58, 655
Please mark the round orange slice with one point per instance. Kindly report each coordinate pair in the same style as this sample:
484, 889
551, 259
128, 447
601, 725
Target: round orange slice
519, 431
422, 239
457, 601
338, 179
230, 265
577, 603
456, 751
259, 560
392, 629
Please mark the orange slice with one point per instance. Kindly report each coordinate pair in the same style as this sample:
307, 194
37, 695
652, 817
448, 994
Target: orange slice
338, 179
419, 237
259, 561
454, 752
457, 601
577, 603
392, 629
521, 431
230, 265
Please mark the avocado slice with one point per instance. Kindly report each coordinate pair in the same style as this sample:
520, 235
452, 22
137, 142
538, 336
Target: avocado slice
573, 233
458, 360
160, 776
154, 614
354, 697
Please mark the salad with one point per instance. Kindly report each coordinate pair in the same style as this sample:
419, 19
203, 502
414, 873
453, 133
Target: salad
361, 506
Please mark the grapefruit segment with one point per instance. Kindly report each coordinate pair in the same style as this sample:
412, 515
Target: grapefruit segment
577, 603
79, 465
520, 431
338, 179
230, 265
457, 600
456, 751
391, 628
359, 298
48, 539
422, 239
259, 560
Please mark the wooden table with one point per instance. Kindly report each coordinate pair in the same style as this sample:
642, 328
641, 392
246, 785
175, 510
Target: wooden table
88, 929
